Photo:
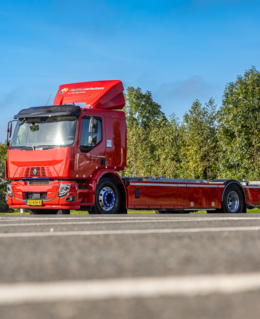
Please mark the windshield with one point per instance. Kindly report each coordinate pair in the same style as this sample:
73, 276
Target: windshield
45, 132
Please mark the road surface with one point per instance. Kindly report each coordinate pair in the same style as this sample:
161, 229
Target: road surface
133, 266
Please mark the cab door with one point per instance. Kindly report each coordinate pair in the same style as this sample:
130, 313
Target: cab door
91, 154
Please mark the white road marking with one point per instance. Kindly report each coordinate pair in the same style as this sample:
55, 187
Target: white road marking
128, 288
88, 220
107, 218
128, 221
91, 223
129, 232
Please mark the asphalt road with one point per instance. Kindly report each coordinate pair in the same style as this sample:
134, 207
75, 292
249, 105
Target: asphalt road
134, 266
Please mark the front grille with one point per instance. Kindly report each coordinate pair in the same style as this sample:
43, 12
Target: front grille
35, 172
38, 182
36, 195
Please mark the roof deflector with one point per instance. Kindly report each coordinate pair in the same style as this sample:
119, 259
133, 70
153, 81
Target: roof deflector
97, 94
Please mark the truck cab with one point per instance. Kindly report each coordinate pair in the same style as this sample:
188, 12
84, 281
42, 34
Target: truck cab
59, 153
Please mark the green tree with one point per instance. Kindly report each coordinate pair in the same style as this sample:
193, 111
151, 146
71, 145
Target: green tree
142, 115
165, 140
139, 156
199, 150
140, 109
239, 128
3, 155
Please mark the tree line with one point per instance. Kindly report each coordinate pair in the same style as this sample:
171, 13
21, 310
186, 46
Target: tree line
208, 143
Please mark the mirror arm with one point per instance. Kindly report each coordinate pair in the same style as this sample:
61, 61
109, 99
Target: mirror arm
9, 132
22, 122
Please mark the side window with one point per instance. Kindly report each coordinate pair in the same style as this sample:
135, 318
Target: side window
85, 140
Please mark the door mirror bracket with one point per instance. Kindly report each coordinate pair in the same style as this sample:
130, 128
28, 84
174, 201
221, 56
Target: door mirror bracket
9, 132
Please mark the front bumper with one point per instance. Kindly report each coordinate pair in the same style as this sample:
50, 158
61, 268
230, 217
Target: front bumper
49, 195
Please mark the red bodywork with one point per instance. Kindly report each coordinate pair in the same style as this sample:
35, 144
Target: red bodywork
83, 170
174, 195
98, 94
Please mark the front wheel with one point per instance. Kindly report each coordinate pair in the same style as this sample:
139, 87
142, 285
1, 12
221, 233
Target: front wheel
233, 199
107, 199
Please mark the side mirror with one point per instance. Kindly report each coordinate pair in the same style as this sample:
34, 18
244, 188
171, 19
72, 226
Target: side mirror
9, 132
93, 125
9, 129
34, 128
92, 140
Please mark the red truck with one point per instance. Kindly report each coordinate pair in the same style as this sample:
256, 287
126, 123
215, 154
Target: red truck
65, 157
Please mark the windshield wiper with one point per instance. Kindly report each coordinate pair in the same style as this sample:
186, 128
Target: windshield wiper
24, 147
49, 146
29, 147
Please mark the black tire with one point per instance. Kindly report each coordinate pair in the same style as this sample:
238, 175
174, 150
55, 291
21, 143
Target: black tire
233, 199
42, 211
107, 199
63, 212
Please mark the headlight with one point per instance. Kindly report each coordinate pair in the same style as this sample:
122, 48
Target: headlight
64, 190
9, 190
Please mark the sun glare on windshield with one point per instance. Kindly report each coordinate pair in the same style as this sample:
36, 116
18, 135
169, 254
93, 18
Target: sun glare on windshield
45, 132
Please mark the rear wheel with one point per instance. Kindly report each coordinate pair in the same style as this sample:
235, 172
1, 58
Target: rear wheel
107, 199
233, 199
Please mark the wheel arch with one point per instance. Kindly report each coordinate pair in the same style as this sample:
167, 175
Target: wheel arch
118, 180
228, 183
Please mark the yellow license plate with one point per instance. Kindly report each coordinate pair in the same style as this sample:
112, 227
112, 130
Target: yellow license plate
34, 202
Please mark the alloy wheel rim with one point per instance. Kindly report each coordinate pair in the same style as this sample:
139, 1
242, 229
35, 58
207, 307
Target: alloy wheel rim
106, 198
233, 201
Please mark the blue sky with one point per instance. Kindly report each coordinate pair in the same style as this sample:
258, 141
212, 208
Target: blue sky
178, 50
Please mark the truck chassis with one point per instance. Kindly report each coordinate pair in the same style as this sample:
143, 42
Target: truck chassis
112, 194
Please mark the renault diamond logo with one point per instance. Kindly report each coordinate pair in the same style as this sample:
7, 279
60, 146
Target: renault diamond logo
35, 171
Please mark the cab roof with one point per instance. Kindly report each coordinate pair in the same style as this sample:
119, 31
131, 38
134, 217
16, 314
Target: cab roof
46, 111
